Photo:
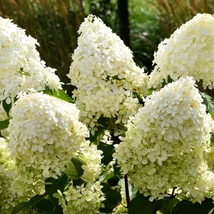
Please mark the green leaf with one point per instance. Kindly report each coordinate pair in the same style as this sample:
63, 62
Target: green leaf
106, 175
52, 184
4, 124
212, 139
103, 124
117, 170
212, 115
78, 165
6, 106
165, 82
208, 102
149, 92
51, 187
31, 202
45, 206
168, 204
59, 94
141, 204
211, 211
57, 208
112, 198
187, 207
108, 150
63, 96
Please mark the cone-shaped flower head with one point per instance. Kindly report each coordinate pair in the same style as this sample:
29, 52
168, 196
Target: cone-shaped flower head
20, 65
165, 143
44, 135
188, 52
44, 132
104, 73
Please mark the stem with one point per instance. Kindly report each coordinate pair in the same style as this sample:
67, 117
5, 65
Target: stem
173, 191
127, 190
155, 211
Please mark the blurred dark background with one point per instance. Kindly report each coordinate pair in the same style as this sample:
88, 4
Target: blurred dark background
142, 24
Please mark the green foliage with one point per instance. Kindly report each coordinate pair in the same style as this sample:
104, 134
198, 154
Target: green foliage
52, 184
6, 106
103, 124
208, 102
4, 124
212, 139
59, 94
106, 175
108, 150
145, 33
46, 206
167, 204
46, 203
141, 205
78, 165
113, 198
31, 202
105, 9
186, 207
172, 14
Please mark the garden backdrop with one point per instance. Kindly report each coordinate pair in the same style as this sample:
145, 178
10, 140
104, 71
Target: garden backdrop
54, 23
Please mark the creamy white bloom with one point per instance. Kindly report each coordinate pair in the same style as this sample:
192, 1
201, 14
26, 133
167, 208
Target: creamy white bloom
165, 143
103, 72
20, 65
9, 197
91, 157
84, 199
3, 114
44, 133
188, 52
7, 167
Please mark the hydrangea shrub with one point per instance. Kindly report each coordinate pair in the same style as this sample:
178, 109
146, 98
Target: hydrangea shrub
126, 142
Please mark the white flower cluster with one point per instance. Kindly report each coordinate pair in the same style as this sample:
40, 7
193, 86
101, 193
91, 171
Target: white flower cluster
84, 199
7, 166
87, 197
165, 143
91, 157
188, 52
20, 65
105, 74
44, 134
9, 198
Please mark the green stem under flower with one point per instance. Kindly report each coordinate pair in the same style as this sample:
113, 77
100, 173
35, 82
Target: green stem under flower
127, 190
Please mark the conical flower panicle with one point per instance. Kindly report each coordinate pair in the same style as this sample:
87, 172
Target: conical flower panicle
20, 65
165, 143
44, 135
188, 52
105, 74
